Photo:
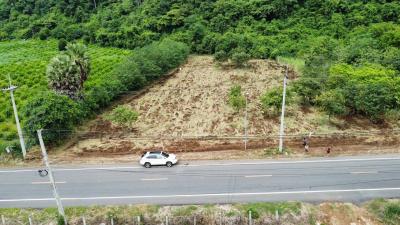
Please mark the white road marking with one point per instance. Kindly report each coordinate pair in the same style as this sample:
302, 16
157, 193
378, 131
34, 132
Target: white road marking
211, 164
294, 162
48, 182
255, 176
364, 172
153, 179
203, 195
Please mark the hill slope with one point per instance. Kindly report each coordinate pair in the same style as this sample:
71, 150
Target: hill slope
193, 103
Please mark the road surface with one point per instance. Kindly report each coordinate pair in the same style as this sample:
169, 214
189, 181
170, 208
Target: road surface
352, 179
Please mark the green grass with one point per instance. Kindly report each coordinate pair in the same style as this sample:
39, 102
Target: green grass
387, 211
26, 62
185, 210
270, 208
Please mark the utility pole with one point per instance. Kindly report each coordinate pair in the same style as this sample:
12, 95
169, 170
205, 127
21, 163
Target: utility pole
51, 178
245, 122
11, 88
281, 130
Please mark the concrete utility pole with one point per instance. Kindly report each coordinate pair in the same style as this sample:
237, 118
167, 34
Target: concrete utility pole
281, 130
51, 178
245, 122
11, 88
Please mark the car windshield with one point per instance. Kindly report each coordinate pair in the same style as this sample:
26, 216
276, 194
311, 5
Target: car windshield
165, 154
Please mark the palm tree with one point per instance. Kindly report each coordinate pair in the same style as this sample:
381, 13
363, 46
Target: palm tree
78, 54
68, 71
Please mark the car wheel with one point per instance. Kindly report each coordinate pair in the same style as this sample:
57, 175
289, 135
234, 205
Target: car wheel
169, 164
147, 165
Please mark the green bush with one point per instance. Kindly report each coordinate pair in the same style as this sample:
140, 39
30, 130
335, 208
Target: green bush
236, 99
123, 116
254, 213
44, 34
54, 113
240, 58
221, 56
333, 102
272, 99
369, 90
62, 44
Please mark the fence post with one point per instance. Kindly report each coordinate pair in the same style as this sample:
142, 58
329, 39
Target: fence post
250, 220
112, 220
166, 220
276, 215
194, 220
138, 220
83, 220
220, 218
30, 220
3, 220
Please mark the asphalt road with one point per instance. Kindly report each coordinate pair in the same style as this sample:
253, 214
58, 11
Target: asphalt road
352, 179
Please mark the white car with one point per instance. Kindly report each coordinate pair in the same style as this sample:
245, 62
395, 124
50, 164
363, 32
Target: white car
158, 158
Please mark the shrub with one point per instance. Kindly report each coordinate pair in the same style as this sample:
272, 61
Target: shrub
62, 44
333, 102
240, 58
272, 99
236, 99
44, 34
254, 213
123, 116
221, 56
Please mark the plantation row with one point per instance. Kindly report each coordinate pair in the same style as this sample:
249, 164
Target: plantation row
26, 62
54, 112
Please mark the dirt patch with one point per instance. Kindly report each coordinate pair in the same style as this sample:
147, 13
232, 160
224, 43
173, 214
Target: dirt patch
344, 214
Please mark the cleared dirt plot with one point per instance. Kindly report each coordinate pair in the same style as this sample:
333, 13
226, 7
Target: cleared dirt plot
188, 111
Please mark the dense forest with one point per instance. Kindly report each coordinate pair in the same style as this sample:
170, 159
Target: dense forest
350, 48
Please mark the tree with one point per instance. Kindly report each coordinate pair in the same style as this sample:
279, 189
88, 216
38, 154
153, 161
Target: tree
78, 54
69, 70
50, 111
375, 99
333, 102
123, 116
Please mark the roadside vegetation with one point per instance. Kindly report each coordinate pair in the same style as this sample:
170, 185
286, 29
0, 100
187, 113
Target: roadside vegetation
388, 211
374, 213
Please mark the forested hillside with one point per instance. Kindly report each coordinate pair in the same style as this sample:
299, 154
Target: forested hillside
350, 48
323, 32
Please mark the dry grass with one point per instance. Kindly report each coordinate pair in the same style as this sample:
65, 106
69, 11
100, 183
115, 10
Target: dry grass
264, 213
